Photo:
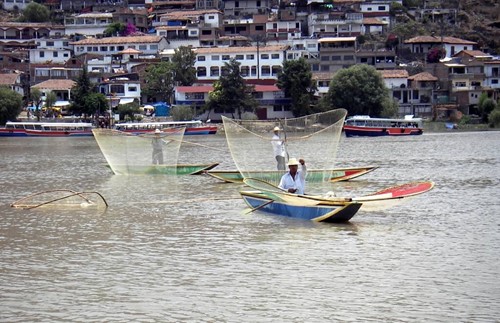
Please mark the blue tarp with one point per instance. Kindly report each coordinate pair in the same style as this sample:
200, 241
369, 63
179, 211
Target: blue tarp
162, 109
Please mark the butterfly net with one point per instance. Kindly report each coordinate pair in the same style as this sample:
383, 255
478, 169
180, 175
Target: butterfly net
150, 153
314, 138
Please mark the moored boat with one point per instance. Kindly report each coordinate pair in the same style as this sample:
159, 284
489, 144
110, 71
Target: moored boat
313, 175
192, 127
374, 127
46, 129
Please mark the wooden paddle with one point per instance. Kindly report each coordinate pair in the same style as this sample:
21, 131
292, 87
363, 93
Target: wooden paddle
259, 207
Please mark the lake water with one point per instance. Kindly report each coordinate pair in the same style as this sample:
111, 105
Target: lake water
183, 249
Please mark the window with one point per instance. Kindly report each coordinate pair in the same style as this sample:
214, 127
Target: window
325, 58
111, 48
225, 57
214, 71
215, 57
211, 17
381, 8
201, 58
336, 58
264, 56
132, 88
239, 57
153, 47
259, 28
89, 48
325, 68
245, 71
42, 53
50, 43
201, 71
494, 81
143, 47
55, 54
266, 71
275, 56
250, 56
348, 58
460, 84
104, 48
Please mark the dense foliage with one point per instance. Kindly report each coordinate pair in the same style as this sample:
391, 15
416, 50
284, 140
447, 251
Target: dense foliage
230, 93
11, 104
359, 89
35, 12
295, 80
159, 81
183, 65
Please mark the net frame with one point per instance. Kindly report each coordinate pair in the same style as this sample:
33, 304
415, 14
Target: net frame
130, 154
314, 137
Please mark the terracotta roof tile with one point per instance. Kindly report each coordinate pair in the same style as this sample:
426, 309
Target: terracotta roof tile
394, 73
8, 79
437, 40
55, 84
424, 76
374, 21
188, 13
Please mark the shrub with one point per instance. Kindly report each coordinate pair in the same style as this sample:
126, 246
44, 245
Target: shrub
494, 118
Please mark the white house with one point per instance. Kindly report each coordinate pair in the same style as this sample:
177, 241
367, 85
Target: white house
452, 45
149, 45
256, 62
492, 74
50, 50
11, 5
88, 24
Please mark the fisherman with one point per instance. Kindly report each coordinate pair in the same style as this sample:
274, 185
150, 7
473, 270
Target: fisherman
279, 149
157, 144
294, 181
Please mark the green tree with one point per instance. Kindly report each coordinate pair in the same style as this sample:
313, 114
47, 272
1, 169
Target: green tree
230, 93
50, 99
486, 107
295, 80
96, 103
11, 104
494, 118
184, 59
35, 12
390, 108
114, 29
182, 113
36, 98
159, 82
359, 89
79, 93
127, 111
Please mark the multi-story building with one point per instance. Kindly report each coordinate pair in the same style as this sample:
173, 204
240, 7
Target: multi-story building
423, 44
149, 45
242, 8
51, 50
87, 24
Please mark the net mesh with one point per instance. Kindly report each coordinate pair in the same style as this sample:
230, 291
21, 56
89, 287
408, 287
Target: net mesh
315, 138
151, 153
61, 198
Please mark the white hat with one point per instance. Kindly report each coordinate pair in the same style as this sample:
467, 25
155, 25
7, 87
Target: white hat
276, 129
157, 131
293, 162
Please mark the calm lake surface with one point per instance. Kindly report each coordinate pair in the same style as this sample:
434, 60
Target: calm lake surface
182, 249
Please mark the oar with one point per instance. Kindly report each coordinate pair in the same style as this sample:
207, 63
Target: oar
260, 206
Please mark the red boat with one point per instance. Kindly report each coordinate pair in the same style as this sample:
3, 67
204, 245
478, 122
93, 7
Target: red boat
364, 126
46, 129
192, 127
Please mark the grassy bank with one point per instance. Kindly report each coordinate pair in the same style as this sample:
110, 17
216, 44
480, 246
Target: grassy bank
439, 126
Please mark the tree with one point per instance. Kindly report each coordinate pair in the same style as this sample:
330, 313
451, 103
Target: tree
486, 107
11, 104
359, 89
296, 82
182, 113
35, 12
159, 81
96, 103
230, 92
114, 29
184, 59
79, 93
36, 98
50, 100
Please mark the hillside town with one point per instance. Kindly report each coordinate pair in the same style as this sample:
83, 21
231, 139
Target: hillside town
259, 34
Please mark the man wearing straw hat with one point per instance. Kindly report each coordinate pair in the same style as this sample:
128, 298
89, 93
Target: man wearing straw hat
157, 144
279, 149
294, 181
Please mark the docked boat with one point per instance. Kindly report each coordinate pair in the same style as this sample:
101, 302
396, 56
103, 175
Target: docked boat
313, 175
195, 127
270, 199
46, 129
373, 127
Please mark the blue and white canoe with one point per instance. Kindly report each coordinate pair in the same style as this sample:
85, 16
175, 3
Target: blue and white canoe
296, 207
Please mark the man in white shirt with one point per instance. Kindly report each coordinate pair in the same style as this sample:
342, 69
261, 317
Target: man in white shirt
294, 181
279, 149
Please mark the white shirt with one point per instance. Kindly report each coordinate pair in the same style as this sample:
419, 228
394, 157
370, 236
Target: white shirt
299, 182
278, 146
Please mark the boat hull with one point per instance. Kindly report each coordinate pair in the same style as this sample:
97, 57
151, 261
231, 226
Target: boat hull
333, 213
353, 131
313, 175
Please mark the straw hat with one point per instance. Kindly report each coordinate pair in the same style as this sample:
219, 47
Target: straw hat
293, 162
276, 129
157, 131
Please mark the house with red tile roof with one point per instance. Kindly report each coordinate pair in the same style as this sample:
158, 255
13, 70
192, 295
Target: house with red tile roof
12, 81
452, 45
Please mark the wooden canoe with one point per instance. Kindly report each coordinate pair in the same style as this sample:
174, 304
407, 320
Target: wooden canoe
313, 175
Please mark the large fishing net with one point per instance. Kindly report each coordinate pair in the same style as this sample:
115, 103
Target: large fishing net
315, 138
150, 153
